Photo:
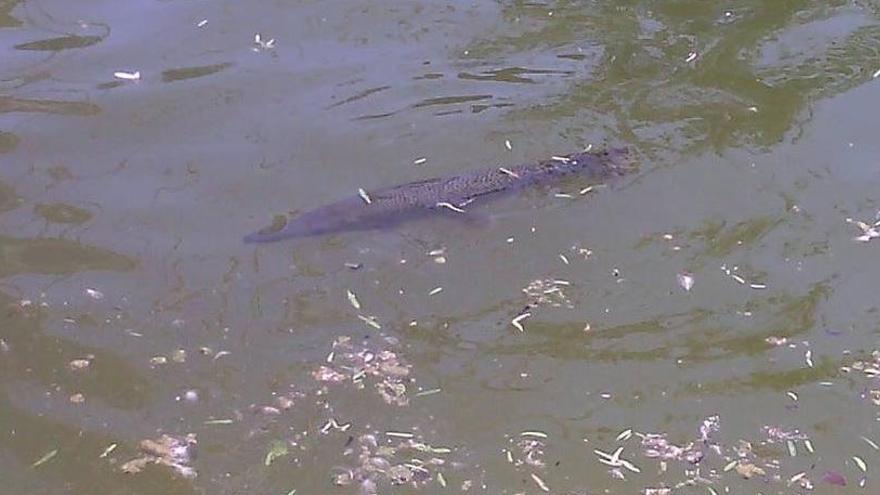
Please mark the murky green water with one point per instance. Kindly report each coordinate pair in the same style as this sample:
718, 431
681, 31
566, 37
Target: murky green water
130, 308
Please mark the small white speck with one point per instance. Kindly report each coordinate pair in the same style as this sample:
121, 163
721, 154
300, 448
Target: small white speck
128, 76
95, 294
685, 280
202, 23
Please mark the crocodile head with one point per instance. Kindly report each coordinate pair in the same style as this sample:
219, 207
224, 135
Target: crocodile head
612, 162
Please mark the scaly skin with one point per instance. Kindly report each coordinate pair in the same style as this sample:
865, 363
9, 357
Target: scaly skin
394, 205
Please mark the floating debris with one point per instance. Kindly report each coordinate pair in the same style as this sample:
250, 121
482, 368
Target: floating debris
868, 231
353, 300
277, 449
179, 356
429, 392
776, 341
202, 23
860, 463
95, 294
507, 144
445, 204
175, 452
46, 458
79, 364
547, 292
748, 470
353, 364
371, 321
776, 433
533, 433
211, 422
508, 172
127, 76
541, 484
685, 280
530, 452
364, 196
435, 290
110, 448
399, 434
265, 45
615, 460
834, 478
333, 424
516, 321
419, 161
379, 464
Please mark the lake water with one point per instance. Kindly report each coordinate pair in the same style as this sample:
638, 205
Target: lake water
140, 140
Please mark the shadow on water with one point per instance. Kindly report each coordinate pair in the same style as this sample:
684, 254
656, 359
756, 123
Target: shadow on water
56, 257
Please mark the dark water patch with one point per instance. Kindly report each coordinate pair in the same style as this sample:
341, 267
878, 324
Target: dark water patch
572, 56
480, 107
56, 257
45, 361
7, 20
59, 107
429, 76
109, 84
361, 95
182, 74
721, 239
60, 43
8, 199
511, 75
8, 142
374, 116
777, 380
448, 112
703, 83
62, 213
450, 100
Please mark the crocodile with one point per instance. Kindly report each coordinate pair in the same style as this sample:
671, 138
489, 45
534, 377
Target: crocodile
391, 206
